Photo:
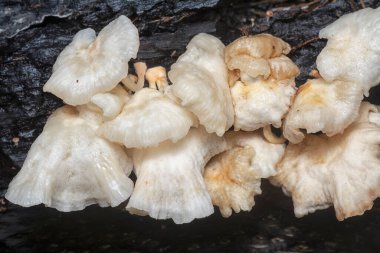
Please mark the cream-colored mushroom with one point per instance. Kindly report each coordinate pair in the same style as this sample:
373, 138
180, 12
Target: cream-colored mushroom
250, 54
70, 167
169, 178
352, 52
111, 103
157, 78
342, 171
322, 106
135, 83
264, 92
200, 81
91, 65
147, 119
233, 177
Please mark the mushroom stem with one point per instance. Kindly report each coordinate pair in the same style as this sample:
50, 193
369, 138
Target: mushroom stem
271, 137
135, 83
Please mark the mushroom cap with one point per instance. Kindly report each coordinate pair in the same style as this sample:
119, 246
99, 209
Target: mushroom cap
200, 81
352, 52
169, 177
231, 181
343, 170
250, 54
84, 68
111, 103
322, 106
233, 177
147, 119
259, 102
70, 167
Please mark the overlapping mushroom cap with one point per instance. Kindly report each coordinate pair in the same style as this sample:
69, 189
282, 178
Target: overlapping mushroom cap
233, 177
91, 65
343, 170
69, 167
263, 94
199, 80
352, 52
169, 177
147, 119
322, 106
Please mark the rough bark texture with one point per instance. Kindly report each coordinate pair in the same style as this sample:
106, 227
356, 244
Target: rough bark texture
32, 34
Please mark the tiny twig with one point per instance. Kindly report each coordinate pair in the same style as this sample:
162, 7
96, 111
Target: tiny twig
305, 43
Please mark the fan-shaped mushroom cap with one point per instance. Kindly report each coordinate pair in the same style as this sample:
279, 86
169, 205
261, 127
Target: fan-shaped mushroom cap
343, 170
352, 52
233, 177
250, 54
169, 178
199, 79
322, 106
263, 95
147, 119
91, 65
69, 167
259, 102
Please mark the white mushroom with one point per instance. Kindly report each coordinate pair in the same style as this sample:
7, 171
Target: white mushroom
233, 177
91, 65
264, 92
111, 103
322, 106
169, 178
147, 119
69, 167
343, 170
199, 79
352, 52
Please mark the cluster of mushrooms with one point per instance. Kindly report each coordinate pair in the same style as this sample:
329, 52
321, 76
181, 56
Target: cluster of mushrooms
177, 138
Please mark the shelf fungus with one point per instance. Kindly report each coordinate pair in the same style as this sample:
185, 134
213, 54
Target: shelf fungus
91, 65
200, 81
261, 80
352, 52
233, 177
70, 167
169, 178
147, 119
322, 106
342, 171
183, 152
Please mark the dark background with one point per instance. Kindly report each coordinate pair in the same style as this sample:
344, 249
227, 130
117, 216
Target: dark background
32, 33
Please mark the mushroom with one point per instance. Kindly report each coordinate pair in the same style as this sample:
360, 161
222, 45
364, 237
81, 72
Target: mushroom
169, 177
111, 103
322, 106
133, 83
147, 119
91, 65
70, 167
200, 81
352, 52
263, 94
250, 54
342, 171
157, 78
233, 177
